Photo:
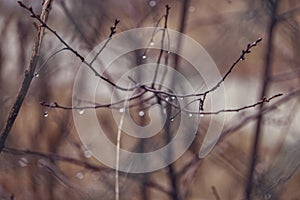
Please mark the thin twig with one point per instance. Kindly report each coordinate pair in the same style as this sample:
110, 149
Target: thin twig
112, 32
261, 102
94, 105
36, 74
246, 120
119, 134
162, 45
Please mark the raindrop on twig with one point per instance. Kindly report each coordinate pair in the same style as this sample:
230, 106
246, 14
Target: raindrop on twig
23, 162
79, 175
87, 153
46, 114
81, 111
141, 113
267, 196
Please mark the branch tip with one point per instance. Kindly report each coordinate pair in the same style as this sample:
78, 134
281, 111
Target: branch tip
117, 21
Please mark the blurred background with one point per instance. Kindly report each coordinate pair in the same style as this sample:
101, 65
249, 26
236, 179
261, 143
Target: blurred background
44, 157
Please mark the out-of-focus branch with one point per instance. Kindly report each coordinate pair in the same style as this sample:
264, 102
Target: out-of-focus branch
54, 157
75, 24
264, 90
74, 161
29, 74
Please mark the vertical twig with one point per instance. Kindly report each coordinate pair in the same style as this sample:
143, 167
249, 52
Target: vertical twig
119, 134
185, 7
264, 90
29, 74
162, 45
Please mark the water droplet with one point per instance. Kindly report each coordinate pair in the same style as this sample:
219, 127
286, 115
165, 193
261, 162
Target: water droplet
36, 75
87, 153
151, 43
172, 119
121, 110
144, 56
81, 111
190, 115
267, 196
141, 113
192, 9
152, 3
41, 163
169, 52
167, 98
79, 175
181, 98
46, 114
201, 115
23, 162
173, 97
